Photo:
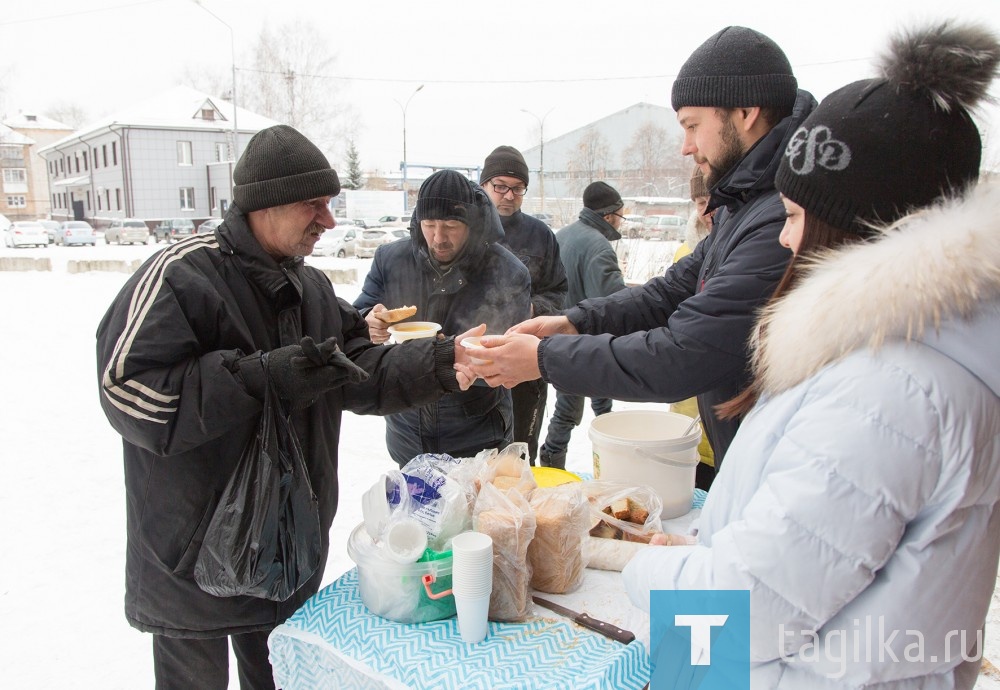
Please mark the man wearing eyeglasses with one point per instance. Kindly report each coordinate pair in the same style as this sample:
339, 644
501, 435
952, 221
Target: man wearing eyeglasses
592, 270
505, 181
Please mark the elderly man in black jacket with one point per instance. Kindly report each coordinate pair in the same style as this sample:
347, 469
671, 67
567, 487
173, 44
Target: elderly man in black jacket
179, 357
505, 179
686, 333
455, 271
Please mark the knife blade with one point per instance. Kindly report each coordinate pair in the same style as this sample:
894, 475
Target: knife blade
598, 626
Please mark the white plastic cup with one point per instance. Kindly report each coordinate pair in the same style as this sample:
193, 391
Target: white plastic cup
405, 540
472, 564
474, 344
472, 617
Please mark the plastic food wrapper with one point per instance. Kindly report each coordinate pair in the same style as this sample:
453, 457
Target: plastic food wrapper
634, 511
431, 497
556, 554
507, 517
509, 469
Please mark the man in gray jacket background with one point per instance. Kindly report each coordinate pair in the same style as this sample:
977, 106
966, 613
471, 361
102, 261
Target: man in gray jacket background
592, 270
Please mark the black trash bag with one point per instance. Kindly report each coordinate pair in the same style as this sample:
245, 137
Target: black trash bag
264, 537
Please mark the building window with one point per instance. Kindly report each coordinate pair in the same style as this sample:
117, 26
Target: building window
99, 208
76, 161
221, 151
97, 162
10, 152
183, 153
17, 201
211, 198
114, 153
118, 198
14, 176
104, 155
207, 114
88, 199
85, 157
187, 198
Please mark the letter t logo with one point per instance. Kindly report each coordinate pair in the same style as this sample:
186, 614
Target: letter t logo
701, 635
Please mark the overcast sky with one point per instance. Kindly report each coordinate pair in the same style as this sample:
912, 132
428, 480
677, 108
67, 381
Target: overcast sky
481, 61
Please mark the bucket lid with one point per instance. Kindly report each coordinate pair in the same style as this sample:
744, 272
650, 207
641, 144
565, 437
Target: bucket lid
645, 428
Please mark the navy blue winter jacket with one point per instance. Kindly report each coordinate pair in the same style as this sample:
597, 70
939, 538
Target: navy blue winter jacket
685, 333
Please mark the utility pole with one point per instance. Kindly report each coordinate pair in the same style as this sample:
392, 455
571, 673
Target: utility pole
541, 156
403, 107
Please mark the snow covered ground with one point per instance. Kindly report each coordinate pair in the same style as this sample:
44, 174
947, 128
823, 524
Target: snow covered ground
62, 496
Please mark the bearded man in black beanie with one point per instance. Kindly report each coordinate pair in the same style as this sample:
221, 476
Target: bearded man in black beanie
686, 333
454, 270
182, 373
505, 179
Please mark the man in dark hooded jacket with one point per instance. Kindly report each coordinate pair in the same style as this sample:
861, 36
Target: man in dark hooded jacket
458, 275
182, 379
686, 333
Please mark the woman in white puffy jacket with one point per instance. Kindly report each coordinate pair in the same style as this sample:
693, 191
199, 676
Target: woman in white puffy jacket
861, 497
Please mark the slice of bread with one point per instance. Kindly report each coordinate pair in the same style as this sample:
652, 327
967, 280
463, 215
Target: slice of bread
394, 315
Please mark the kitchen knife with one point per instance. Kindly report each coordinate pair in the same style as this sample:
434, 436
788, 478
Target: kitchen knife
606, 629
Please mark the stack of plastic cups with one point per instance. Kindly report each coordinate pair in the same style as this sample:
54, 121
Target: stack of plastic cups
472, 583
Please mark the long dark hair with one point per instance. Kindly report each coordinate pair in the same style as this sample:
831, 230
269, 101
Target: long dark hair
818, 237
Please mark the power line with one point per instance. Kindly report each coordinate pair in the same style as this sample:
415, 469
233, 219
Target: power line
497, 82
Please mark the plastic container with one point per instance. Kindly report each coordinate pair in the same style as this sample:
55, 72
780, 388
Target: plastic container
644, 447
410, 330
396, 590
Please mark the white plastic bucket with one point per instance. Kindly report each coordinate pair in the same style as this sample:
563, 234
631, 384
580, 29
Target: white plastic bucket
645, 447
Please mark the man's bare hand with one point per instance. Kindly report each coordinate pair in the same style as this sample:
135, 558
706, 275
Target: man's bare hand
543, 326
513, 359
378, 330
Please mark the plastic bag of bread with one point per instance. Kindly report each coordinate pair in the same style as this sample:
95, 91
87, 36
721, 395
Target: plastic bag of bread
623, 511
507, 517
556, 554
509, 469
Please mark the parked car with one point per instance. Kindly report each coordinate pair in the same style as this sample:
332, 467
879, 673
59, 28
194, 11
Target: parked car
173, 228
26, 233
373, 238
76, 232
395, 221
546, 218
660, 227
338, 242
51, 227
126, 231
631, 226
367, 222
209, 226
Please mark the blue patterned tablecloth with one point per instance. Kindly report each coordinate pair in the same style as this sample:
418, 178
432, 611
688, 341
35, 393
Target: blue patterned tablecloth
333, 642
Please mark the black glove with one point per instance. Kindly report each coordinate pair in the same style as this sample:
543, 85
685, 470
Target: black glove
300, 373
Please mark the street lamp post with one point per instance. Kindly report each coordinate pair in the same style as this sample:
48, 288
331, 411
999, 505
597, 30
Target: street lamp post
403, 107
541, 156
232, 52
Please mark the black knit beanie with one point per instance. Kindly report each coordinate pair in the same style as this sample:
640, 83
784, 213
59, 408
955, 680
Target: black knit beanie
878, 148
280, 166
602, 198
446, 195
735, 68
506, 161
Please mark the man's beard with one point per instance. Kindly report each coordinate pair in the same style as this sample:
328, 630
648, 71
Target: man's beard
732, 153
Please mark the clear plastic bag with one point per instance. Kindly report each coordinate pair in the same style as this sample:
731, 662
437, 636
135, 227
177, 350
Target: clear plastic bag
509, 469
642, 504
431, 497
507, 517
264, 537
556, 554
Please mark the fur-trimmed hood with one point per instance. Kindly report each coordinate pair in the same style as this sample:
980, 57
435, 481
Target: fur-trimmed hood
932, 269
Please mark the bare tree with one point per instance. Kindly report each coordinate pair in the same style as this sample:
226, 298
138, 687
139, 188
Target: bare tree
590, 161
651, 161
69, 114
289, 80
